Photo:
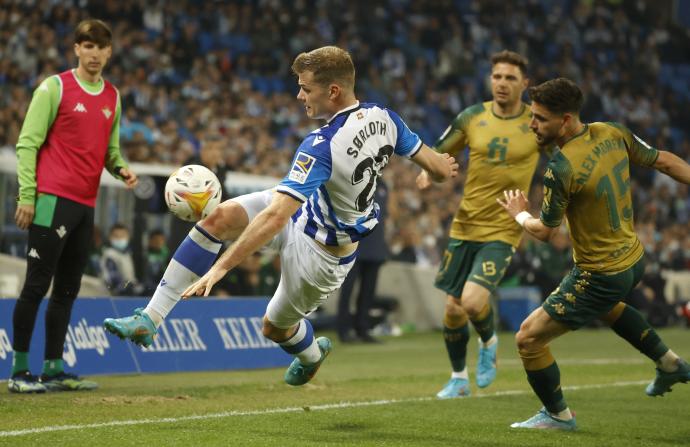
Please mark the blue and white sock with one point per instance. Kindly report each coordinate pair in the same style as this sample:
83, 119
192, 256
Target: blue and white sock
302, 344
192, 259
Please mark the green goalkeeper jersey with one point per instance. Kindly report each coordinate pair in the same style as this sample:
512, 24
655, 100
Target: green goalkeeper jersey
588, 182
503, 154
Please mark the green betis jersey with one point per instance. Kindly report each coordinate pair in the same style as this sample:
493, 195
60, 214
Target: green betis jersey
503, 155
588, 181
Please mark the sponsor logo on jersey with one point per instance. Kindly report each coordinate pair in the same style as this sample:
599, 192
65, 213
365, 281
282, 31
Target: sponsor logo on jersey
360, 115
482, 123
79, 108
34, 254
301, 167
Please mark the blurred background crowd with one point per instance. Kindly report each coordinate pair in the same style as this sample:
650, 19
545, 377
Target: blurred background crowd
188, 69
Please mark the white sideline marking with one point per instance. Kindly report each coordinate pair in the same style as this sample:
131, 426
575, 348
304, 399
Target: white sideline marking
227, 414
607, 361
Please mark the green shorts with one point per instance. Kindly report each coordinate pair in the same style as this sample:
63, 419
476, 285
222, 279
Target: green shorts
483, 263
584, 296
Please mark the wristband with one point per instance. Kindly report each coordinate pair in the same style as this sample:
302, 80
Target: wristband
521, 217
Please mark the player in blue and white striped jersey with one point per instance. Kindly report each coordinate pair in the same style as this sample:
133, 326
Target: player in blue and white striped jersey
315, 216
337, 166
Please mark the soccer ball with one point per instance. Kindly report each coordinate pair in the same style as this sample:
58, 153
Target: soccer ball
192, 192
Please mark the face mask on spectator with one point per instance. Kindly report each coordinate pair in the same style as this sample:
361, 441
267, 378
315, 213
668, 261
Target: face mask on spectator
119, 244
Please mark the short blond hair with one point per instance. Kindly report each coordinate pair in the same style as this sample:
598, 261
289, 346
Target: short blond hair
329, 64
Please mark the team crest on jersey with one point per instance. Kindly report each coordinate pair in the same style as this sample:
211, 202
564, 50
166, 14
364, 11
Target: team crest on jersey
107, 112
301, 168
360, 115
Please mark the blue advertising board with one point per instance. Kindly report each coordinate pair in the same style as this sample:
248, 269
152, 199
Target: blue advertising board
199, 334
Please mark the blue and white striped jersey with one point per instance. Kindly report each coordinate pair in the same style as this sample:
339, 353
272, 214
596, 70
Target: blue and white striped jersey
335, 171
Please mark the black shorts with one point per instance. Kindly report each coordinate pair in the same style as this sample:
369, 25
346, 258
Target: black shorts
60, 238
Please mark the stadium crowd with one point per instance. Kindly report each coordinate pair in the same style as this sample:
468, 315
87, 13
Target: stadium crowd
188, 68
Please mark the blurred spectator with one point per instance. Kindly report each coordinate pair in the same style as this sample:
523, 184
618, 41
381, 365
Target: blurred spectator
243, 280
654, 308
157, 257
184, 71
406, 245
550, 262
93, 267
269, 275
117, 265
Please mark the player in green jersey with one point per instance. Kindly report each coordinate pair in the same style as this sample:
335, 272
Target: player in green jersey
588, 183
502, 153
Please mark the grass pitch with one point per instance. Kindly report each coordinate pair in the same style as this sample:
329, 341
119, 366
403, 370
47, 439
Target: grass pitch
365, 395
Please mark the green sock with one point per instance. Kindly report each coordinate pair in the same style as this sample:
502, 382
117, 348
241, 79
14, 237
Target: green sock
20, 362
456, 345
546, 383
485, 326
632, 327
53, 367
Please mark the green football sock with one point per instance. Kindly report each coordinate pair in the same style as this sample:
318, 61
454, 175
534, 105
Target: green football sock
546, 383
456, 345
484, 324
632, 327
53, 367
20, 362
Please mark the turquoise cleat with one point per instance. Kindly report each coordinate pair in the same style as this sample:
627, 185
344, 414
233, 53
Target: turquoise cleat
664, 380
455, 388
544, 421
299, 374
139, 328
486, 366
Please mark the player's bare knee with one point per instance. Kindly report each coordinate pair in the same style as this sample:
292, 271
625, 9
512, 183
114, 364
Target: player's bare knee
472, 309
267, 329
453, 307
526, 341
226, 221
274, 333
454, 316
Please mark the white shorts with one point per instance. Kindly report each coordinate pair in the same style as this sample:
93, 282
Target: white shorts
308, 274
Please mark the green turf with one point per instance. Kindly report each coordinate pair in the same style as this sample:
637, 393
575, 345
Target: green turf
408, 369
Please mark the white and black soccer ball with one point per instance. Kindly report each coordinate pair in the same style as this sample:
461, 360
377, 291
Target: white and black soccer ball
192, 192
